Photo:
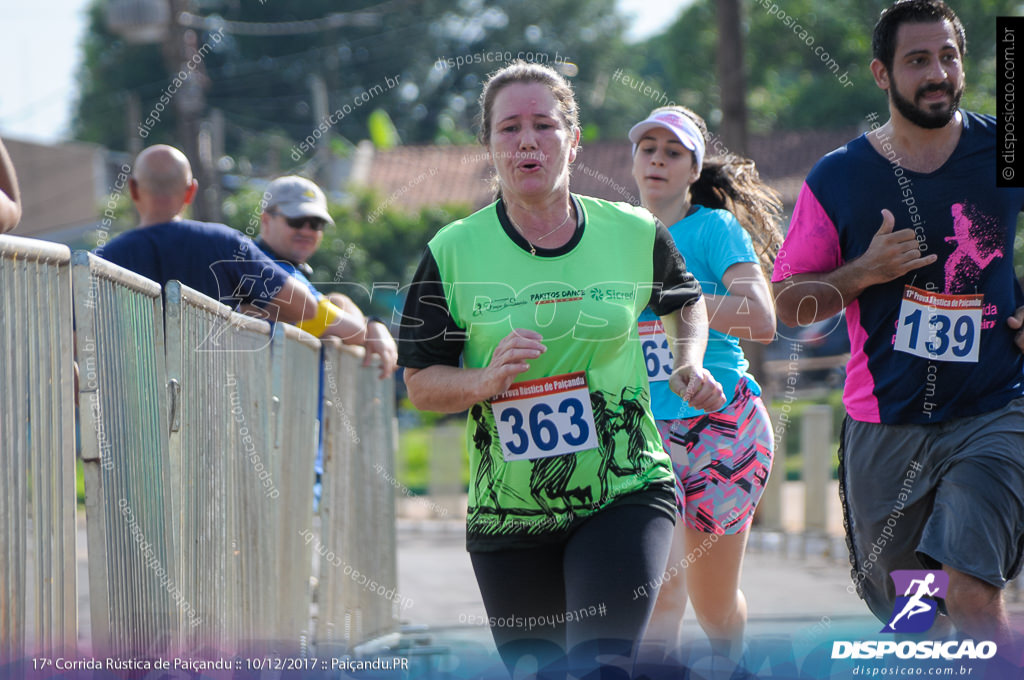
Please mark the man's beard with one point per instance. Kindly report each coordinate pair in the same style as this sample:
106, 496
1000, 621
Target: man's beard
922, 118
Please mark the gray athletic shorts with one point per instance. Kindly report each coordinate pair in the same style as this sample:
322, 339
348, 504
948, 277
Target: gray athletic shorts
922, 496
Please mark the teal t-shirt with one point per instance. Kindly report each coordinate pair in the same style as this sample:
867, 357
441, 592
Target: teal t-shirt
711, 241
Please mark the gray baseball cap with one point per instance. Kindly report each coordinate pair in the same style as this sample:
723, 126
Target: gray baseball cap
295, 196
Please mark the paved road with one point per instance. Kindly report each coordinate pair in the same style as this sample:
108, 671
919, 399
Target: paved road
796, 592
785, 591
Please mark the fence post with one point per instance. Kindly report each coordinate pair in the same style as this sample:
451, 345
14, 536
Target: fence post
356, 543
223, 454
296, 367
37, 451
446, 451
336, 606
816, 445
125, 457
769, 510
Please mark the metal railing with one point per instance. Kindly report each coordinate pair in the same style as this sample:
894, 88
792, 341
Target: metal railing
198, 437
358, 581
37, 450
122, 379
219, 364
296, 379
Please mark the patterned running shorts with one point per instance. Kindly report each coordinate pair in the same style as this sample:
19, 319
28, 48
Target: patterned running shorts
722, 461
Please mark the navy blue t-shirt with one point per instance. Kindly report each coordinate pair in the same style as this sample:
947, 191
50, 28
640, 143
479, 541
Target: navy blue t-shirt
214, 259
933, 344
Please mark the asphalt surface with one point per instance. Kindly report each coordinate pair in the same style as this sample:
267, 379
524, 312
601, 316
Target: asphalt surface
796, 588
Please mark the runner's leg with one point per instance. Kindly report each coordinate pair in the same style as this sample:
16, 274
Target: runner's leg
606, 560
666, 626
976, 608
524, 593
714, 581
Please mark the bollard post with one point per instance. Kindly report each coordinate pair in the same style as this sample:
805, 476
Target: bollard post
446, 451
769, 510
816, 444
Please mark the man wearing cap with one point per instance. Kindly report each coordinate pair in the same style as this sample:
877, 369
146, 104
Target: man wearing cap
291, 229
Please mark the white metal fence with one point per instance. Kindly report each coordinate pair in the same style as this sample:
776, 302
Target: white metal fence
122, 379
37, 450
198, 437
219, 363
358, 578
296, 375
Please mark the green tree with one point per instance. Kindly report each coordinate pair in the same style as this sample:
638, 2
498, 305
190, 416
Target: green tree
798, 52
387, 56
111, 69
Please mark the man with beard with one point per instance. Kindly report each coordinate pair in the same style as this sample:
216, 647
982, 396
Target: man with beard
932, 448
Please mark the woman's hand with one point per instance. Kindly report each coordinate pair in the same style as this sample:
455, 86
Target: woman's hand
697, 387
510, 359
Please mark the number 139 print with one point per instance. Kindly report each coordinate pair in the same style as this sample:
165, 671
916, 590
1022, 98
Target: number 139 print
939, 327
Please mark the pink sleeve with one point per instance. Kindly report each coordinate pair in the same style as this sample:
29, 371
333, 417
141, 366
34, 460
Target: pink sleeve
812, 242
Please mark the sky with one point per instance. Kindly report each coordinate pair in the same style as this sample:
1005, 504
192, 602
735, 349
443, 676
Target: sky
41, 45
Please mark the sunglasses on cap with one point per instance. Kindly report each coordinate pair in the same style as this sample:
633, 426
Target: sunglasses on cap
315, 223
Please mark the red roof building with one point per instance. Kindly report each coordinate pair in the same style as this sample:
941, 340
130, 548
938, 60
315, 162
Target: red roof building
413, 177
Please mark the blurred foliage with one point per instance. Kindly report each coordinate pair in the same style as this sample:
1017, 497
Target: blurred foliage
790, 87
371, 251
263, 83
415, 448
111, 68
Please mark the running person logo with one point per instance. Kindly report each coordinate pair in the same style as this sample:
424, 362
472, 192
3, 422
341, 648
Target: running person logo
915, 610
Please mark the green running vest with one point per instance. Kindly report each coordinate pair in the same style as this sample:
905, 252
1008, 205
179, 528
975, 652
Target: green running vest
585, 304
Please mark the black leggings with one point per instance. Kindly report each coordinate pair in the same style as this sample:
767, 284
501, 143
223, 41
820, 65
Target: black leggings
579, 596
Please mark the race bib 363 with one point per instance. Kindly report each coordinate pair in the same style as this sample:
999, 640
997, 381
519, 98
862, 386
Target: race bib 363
545, 417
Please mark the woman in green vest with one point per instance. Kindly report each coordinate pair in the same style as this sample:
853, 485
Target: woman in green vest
524, 314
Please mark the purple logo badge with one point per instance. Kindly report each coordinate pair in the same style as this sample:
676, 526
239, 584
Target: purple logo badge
916, 592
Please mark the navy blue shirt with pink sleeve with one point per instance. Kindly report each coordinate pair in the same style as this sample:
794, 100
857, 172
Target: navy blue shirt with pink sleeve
934, 344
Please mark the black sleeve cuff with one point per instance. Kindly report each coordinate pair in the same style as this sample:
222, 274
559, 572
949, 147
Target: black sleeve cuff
673, 285
427, 333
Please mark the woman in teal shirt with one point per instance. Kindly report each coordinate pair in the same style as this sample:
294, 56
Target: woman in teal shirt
721, 459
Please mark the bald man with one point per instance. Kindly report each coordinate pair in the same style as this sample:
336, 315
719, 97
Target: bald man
10, 197
211, 258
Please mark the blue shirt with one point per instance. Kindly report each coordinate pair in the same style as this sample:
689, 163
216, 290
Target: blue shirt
957, 213
214, 259
711, 241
